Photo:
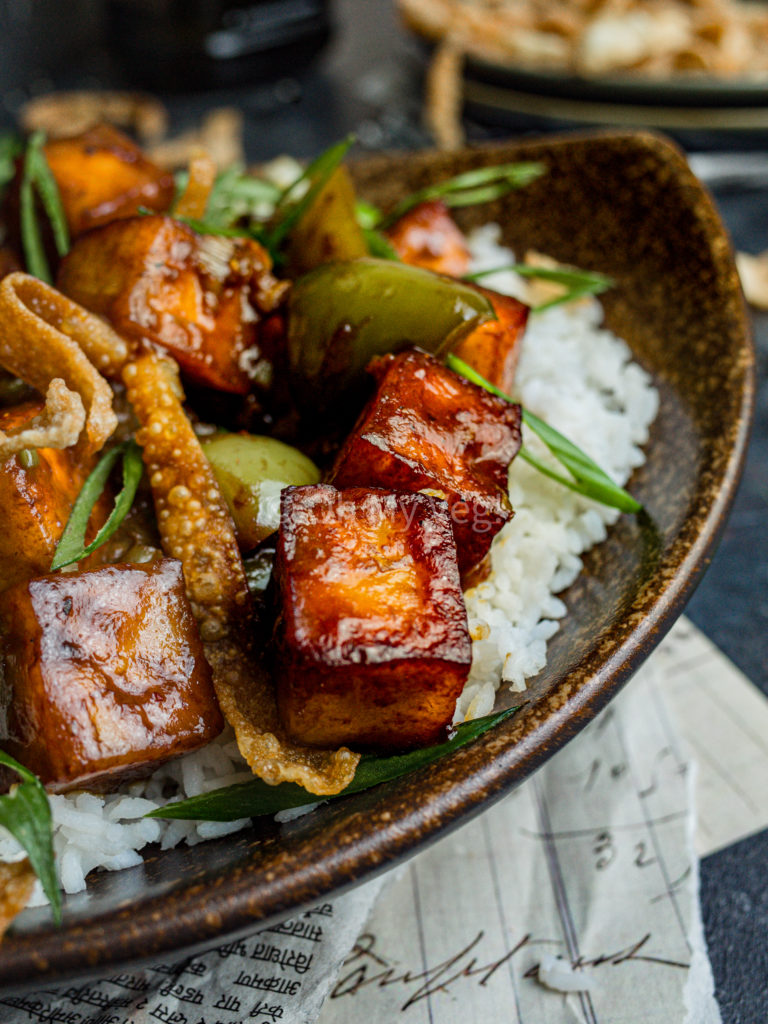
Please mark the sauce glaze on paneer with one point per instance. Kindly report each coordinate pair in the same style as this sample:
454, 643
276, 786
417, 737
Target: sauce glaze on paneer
428, 429
372, 643
201, 297
102, 175
105, 674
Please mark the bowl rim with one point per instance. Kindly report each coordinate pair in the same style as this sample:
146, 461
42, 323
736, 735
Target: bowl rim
196, 916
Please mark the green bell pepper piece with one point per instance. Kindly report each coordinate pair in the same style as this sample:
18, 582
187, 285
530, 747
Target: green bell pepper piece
341, 315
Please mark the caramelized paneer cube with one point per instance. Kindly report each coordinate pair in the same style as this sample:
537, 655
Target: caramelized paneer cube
105, 674
427, 236
493, 348
36, 498
198, 296
371, 640
102, 175
428, 429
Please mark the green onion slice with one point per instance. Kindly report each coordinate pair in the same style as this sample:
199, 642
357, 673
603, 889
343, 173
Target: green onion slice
586, 477
236, 195
31, 236
254, 798
48, 191
26, 813
37, 179
207, 227
482, 185
578, 283
288, 211
10, 148
379, 245
72, 546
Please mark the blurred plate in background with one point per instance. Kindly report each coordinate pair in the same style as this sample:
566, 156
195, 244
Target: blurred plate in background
651, 106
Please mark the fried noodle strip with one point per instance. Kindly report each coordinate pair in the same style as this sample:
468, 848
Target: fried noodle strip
444, 97
45, 336
220, 136
196, 527
60, 114
58, 426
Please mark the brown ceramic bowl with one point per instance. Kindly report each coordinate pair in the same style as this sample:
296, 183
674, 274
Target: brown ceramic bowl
625, 204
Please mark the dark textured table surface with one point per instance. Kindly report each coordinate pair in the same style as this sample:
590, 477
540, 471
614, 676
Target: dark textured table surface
369, 81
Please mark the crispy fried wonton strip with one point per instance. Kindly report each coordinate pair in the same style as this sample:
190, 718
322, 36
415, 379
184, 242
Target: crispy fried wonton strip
102, 345
196, 527
444, 96
58, 426
16, 883
43, 336
202, 175
59, 114
220, 136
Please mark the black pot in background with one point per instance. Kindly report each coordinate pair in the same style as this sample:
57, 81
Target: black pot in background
202, 44
45, 41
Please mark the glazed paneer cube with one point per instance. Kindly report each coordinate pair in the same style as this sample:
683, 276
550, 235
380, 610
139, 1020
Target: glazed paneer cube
493, 348
102, 175
198, 296
36, 503
428, 429
427, 236
372, 644
105, 674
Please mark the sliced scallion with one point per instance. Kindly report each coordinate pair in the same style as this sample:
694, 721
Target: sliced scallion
586, 477
481, 185
254, 798
38, 181
289, 209
578, 283
72, 546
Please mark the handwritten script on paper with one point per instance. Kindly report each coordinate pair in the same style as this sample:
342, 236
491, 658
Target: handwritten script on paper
590, 861
368, 966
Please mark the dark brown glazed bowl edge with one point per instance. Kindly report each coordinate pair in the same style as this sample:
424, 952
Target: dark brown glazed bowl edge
365, 834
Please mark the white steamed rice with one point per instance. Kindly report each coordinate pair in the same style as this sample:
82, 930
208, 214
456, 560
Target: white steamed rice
580, 378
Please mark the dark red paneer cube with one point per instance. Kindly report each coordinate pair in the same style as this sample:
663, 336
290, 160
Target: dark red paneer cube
105, 674
372, 643
427, 428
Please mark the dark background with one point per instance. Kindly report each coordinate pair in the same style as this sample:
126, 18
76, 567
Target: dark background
367, 77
